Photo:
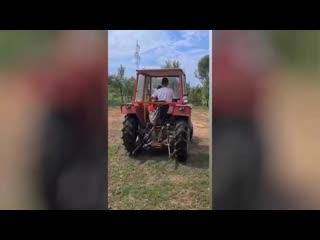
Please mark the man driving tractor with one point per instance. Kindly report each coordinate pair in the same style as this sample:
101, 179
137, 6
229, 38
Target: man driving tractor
163, 94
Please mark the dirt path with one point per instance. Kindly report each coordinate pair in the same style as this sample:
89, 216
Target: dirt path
290, 119
151, 181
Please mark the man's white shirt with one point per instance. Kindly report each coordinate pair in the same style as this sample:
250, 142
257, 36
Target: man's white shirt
164, 94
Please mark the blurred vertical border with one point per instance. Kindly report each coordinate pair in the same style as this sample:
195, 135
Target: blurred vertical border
211, 147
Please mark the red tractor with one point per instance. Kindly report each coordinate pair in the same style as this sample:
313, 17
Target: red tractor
150, 124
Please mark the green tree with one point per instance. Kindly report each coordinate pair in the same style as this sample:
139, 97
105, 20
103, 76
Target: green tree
171, 64
113, 85
113, 88
202, 73
119, 80
196, 95
128, 85
176, 64
299, 49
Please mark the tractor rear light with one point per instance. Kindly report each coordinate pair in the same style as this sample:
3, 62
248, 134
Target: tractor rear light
128, 106
185, 100
181, 108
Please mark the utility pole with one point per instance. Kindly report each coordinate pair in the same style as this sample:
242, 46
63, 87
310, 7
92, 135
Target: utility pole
137, 55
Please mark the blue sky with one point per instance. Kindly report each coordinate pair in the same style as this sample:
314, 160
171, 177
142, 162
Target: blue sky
157, 46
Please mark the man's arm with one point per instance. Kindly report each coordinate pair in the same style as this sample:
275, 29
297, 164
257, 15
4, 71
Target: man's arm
155, 94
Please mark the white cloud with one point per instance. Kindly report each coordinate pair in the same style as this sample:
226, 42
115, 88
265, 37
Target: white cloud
157, 46
190, 34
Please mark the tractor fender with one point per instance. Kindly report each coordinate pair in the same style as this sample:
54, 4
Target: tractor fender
182, 110
128, 109
131, 109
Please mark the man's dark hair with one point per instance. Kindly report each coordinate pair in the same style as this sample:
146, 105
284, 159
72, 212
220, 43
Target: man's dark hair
165, 81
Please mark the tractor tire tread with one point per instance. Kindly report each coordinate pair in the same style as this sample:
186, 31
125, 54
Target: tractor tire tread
130, 125
181, 140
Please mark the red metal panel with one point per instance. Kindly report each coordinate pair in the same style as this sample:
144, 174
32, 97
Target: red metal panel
126, 110
181, 89
186, 112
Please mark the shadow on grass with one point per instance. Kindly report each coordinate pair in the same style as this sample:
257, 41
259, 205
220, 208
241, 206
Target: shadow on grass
152, 154
198, 155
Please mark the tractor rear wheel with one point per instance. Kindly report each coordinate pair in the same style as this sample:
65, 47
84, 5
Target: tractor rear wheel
130, 132
182, 140
191, 129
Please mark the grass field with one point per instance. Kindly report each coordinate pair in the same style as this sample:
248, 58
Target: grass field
151, 181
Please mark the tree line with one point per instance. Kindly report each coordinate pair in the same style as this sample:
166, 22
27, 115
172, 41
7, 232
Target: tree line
121, 88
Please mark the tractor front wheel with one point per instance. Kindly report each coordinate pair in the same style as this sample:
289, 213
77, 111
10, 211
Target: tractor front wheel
130, 133
182, 139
